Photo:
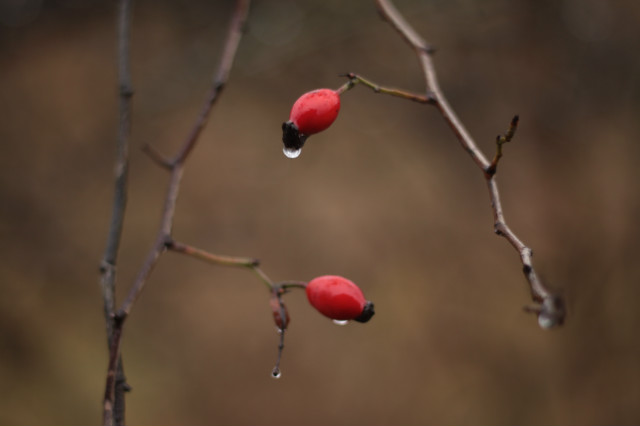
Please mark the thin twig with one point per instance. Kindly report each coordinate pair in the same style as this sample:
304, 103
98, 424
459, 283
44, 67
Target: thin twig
223, 260
114, 408
177, 169
285, 285
355, 79
216, 259
550, 308
219, 80
501, 140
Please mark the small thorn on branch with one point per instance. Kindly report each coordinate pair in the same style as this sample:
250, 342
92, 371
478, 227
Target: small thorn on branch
106, 267
429, 49
126, 90
501, 140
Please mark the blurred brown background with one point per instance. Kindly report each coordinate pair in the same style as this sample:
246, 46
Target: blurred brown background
385, 197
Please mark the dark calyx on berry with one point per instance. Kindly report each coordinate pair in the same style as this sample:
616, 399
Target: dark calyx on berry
366, 314
292, 137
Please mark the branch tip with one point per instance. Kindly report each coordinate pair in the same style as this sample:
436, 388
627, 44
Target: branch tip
551, 312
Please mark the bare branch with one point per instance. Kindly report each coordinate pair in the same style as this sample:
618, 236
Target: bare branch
550, 311
108, 264
113, 412
220, 78
424, 51
109, 407
115, 383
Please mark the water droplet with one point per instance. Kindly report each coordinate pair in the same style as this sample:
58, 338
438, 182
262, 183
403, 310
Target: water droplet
546, 322
275, 373
340, 322
278, 330
291, 153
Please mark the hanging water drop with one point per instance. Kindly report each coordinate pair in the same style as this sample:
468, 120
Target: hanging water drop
340, 322
275, 373
546, 321
291, 153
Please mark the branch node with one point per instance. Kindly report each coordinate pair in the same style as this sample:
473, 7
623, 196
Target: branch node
168, 242
106, 267
501, 140
125, 90
157, 158
119, 317
551, 312
432, 98
218, 86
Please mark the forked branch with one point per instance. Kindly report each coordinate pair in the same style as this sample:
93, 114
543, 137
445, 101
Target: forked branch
116, 319
549, 308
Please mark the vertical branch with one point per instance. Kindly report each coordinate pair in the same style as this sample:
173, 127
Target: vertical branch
108, 264
114, 399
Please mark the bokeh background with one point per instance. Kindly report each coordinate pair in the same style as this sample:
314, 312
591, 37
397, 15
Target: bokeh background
385, 197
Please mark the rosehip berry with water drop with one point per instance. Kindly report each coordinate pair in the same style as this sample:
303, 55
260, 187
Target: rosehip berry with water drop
339, 299
313, 112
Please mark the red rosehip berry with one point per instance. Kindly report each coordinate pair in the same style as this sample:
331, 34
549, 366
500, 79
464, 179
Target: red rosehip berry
313, 112
339, 299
